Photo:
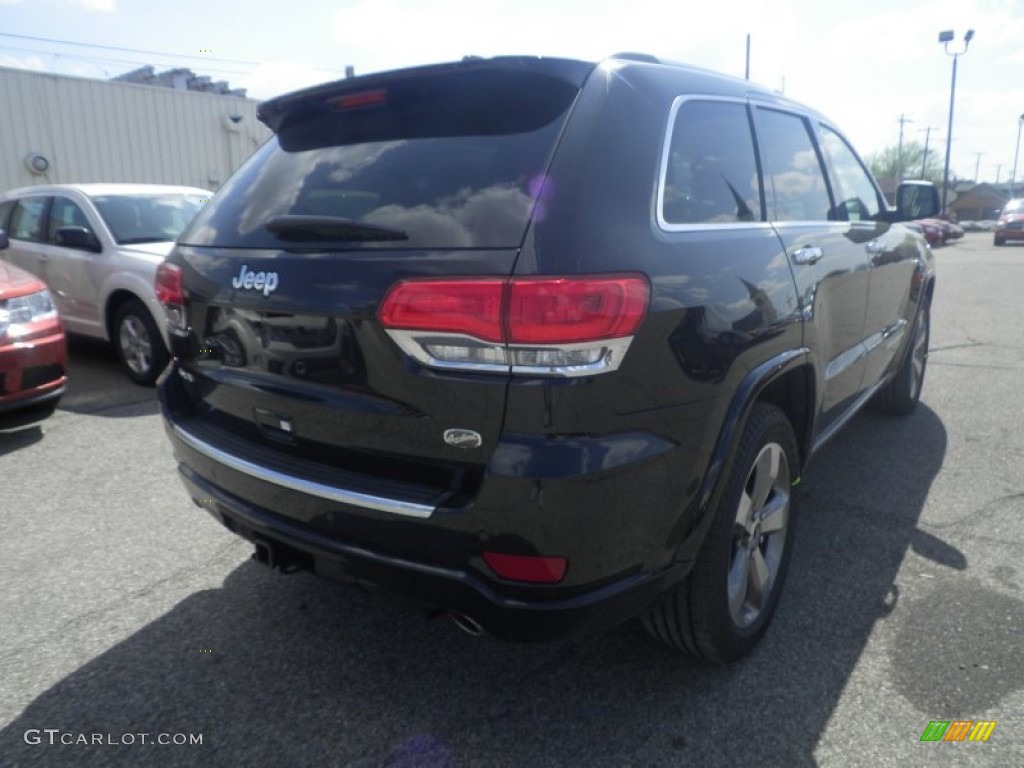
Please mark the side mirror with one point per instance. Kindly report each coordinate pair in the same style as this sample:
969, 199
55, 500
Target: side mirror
4, 241
78, 237
916, 200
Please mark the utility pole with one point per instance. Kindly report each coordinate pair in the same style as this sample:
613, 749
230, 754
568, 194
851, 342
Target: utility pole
977, 164
999, 170
924, 158
748, 56
899, 150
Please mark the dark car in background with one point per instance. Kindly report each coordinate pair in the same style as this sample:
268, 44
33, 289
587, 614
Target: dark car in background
33, 356
1010, 225
545, 344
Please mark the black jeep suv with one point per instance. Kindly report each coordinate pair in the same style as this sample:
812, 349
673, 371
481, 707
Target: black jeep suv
542, 343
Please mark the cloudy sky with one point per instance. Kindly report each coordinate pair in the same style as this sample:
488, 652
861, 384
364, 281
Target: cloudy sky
863, 64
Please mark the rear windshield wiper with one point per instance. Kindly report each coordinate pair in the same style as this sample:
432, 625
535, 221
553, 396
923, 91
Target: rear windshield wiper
319, 228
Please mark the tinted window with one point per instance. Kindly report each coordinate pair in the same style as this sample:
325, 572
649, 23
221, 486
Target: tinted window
5, 213
147, 218
449, 164
65, 213
27, 219
710, 170
856, 196
794, 184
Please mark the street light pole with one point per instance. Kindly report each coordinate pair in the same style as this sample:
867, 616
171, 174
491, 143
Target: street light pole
1016, 153
946, 38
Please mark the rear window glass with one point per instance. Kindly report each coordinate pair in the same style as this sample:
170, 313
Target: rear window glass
447, 161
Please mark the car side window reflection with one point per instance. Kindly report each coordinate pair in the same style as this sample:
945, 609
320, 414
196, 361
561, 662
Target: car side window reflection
711, 172
27, 219
794, 183
65, 213
856, 196
5, 214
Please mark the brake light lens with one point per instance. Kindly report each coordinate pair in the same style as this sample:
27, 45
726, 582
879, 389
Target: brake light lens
557, 326
528, 568
472, 307
169, 288
170, 292
565, 311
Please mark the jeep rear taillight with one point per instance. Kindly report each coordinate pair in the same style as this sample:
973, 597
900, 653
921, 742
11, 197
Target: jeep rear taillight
554, 326
170, 292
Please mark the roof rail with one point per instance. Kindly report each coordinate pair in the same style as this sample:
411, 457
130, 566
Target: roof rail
645, 57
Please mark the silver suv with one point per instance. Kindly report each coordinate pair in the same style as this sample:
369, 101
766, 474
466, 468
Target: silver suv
97, 247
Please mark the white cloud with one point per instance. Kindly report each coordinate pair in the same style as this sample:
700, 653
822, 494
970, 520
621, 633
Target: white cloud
105, 6
21, 62
272, 78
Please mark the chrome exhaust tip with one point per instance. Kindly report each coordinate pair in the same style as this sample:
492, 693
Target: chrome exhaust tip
467, 624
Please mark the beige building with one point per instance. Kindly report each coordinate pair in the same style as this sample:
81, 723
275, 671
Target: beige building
59, 129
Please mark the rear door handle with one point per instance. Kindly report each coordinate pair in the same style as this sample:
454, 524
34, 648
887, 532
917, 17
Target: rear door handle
809, 254
874, 247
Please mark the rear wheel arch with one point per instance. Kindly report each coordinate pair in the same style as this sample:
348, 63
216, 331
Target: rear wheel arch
786, 381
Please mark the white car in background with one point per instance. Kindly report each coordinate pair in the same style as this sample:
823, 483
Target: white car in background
97, 247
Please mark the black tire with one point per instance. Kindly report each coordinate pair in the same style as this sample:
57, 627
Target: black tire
900, 396
138, 343
705, 615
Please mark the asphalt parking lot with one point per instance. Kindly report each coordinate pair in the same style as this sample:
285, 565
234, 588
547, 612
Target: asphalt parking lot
125, 610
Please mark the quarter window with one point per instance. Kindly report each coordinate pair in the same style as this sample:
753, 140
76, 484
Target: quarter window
27, 219
710, 170
794, 183
856, 196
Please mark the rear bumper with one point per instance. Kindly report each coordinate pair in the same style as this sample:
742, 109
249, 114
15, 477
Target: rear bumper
287, 544
615, 515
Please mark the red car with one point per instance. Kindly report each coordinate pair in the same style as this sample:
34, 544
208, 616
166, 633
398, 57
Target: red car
1011, 222
33, 355
930, 228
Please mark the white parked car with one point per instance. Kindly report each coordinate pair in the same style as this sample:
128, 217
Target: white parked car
97, 247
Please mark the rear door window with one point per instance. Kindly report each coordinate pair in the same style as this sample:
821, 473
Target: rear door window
794, 181
445, 160
709, 172
27, 219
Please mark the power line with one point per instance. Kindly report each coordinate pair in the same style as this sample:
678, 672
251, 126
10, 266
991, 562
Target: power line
107, 60
142, 50
128, 50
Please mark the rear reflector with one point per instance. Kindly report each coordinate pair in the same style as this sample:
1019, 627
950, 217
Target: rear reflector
533, 569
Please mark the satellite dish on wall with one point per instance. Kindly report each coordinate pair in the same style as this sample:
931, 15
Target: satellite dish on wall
37, 163
232, 123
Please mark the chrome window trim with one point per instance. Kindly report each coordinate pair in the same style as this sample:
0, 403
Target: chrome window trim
659, 201
313, 488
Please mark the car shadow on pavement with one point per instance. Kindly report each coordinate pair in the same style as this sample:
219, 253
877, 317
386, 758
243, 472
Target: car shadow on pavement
18, 437
275, 670
98, 385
